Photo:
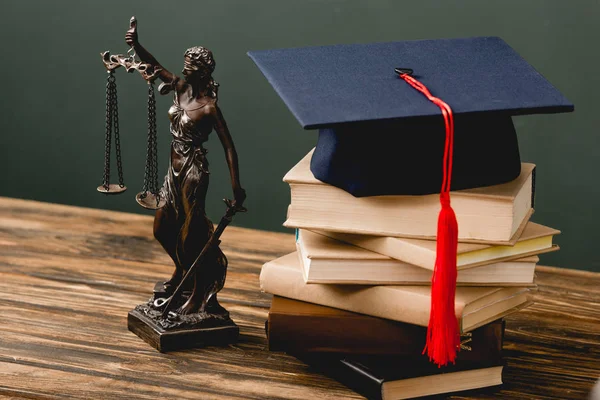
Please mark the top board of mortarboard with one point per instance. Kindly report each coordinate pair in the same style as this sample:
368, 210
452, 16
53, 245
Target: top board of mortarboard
379, 136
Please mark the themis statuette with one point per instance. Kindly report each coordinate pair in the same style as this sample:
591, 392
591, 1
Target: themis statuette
184, 311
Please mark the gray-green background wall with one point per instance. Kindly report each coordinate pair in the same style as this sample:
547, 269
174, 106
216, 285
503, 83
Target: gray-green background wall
52, 100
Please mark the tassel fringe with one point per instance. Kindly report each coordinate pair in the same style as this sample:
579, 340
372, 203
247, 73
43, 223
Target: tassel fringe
443, 339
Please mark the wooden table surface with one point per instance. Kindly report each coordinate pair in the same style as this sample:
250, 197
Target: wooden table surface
68, 277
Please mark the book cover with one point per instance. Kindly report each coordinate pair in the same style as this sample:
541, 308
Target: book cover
536, 239
300, 327
393, 378
474, 306
495, 214
326, 260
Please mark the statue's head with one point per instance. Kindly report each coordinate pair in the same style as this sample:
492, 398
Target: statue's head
198, 63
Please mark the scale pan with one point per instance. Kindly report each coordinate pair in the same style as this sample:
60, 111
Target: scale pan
113, 188
150, 201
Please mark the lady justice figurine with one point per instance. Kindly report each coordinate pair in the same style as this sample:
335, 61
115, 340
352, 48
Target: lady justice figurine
184, 311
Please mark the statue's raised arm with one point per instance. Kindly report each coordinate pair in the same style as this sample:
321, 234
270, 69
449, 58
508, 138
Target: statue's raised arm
131, 38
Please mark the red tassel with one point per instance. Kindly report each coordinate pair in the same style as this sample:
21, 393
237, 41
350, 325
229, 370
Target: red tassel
443, 339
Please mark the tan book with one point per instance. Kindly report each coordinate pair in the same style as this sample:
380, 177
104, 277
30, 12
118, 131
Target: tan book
329, 261
492, 215
535, 239
474, 306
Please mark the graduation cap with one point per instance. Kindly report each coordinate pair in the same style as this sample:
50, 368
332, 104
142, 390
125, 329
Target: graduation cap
378, 136
444, 125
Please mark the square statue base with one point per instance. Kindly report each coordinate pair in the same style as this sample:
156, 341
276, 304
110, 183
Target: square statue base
181, 331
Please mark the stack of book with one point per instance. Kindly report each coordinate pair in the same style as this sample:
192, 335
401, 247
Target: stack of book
354, 299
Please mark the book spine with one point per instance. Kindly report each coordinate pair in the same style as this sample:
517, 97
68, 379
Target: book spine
533, 174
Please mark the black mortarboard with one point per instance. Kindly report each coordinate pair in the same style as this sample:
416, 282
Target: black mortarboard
380, 136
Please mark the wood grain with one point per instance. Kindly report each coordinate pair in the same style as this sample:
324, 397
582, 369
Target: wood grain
68, 277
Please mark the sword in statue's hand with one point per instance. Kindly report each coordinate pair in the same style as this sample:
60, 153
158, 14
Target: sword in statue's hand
232, 209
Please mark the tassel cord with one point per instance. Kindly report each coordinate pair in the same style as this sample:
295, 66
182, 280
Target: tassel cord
443, 339
449, 123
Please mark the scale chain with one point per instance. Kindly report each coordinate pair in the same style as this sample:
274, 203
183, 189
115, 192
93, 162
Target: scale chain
108, 129
155, 140
151, 170
112, 127
115, 118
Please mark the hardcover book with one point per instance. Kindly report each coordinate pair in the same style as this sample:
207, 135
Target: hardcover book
535, 239
492, 215
326, 260
299, 327
474, 306
395, 379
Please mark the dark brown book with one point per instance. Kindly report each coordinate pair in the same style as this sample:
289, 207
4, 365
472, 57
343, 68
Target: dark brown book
298, 327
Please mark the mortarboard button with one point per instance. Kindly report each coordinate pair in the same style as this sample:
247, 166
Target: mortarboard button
403, 71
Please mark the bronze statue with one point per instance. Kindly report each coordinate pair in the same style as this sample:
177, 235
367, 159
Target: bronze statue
185, 312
